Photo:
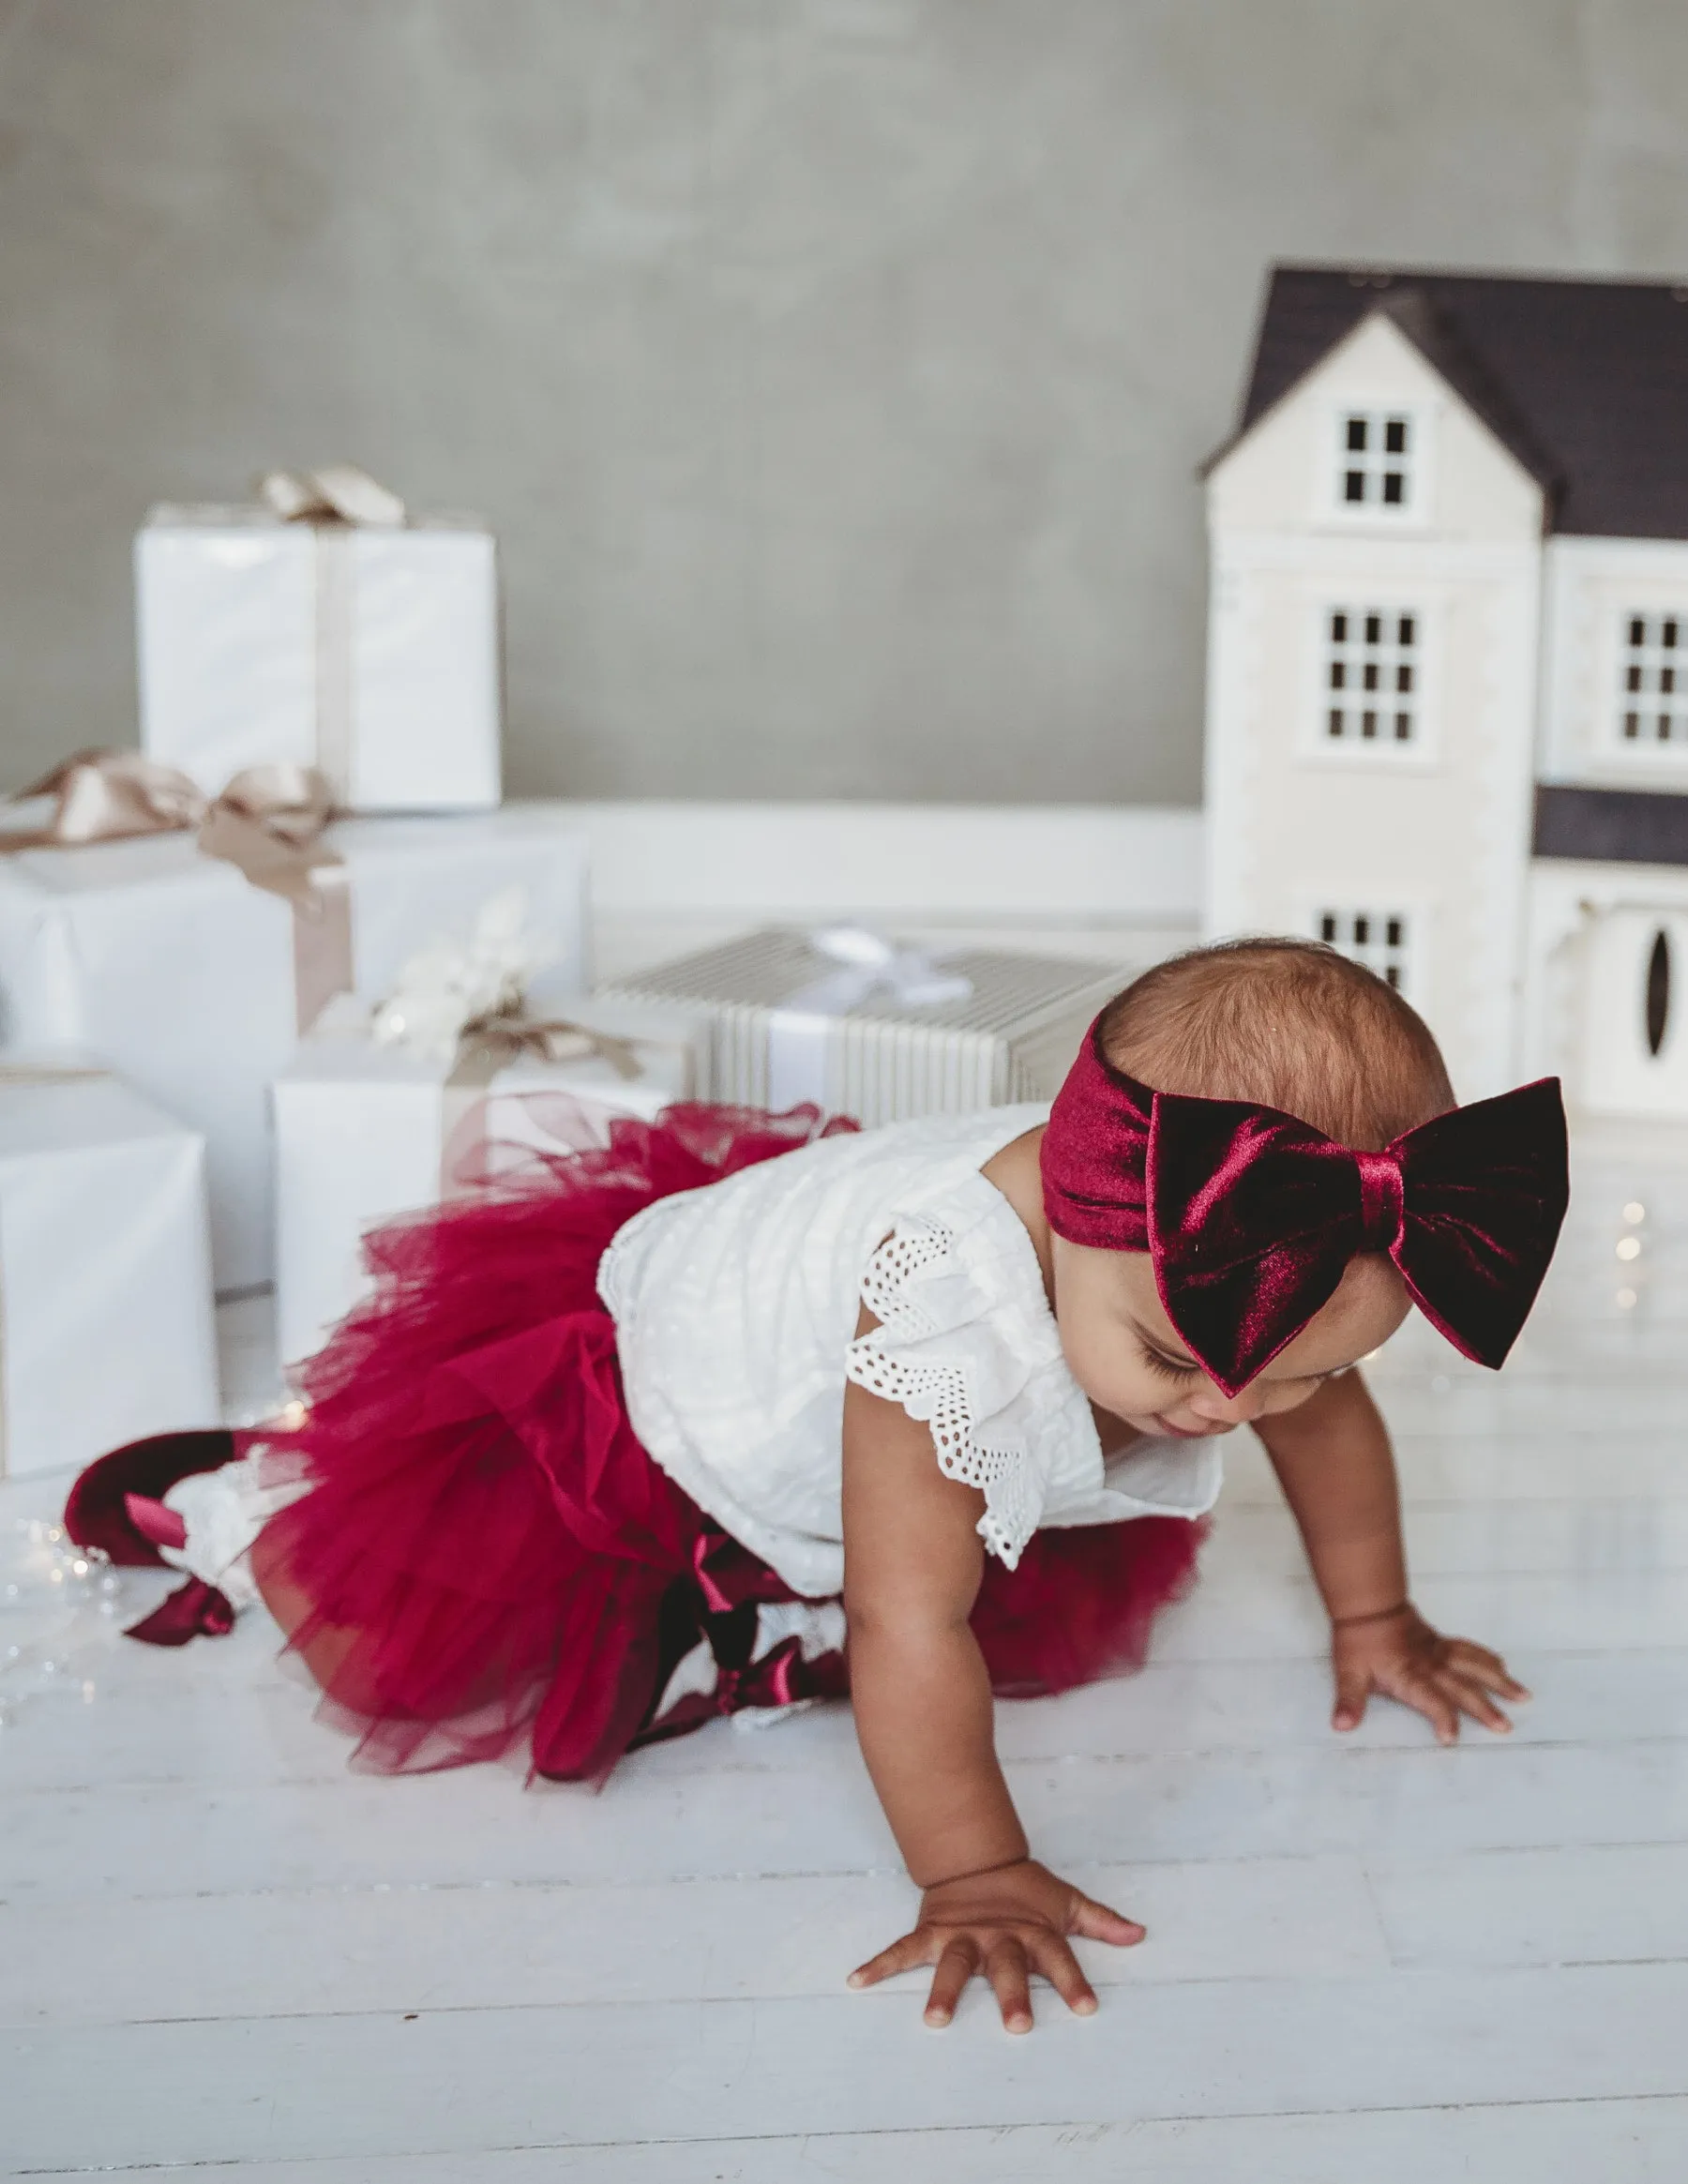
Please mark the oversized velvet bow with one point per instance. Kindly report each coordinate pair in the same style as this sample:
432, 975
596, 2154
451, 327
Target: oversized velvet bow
1250, 1217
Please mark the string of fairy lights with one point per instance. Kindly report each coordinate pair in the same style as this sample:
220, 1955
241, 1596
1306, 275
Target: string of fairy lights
60, 1607
1630, 1255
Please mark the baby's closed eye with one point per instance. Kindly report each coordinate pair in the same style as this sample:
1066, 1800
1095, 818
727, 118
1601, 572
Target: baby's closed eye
1165, 1368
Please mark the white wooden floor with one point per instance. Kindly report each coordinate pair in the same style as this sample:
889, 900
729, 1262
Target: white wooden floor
221, 1955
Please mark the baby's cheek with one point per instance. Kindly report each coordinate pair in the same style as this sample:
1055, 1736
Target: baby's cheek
1104, 1364
1289, 1395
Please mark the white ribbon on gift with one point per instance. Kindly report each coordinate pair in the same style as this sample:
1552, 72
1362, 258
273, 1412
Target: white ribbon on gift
870, 967
337, 502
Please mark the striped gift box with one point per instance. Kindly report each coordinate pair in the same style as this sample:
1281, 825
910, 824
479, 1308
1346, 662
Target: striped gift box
867, 1028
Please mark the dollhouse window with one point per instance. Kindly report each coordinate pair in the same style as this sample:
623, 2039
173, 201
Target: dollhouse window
1653, 698
1374, 469
1372, 676
1656, 1007
1379, 939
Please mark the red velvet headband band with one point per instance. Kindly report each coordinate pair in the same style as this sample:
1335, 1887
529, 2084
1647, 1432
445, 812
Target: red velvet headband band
1250, 1217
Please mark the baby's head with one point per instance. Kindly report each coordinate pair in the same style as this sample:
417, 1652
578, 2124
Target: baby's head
1285, 1025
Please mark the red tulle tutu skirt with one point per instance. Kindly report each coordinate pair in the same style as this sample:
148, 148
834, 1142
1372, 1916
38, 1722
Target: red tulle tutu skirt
488, 1555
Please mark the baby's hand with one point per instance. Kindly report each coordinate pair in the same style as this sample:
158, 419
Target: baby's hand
1401, 1656
1006, 1924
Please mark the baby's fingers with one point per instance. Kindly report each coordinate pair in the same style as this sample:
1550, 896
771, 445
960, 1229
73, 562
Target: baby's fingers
1005, 1967
956, 1966
1482, 1666
1060, 1966
1352, 1687
902, 1956
1427, 1698
1096, 1923
1470, 1697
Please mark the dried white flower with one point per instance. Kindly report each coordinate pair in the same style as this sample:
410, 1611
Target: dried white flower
451, 983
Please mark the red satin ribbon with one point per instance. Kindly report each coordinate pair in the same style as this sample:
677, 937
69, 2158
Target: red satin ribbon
159, 1524
193, 1610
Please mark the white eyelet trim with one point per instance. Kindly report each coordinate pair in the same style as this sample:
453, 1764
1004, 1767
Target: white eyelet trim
975, 1440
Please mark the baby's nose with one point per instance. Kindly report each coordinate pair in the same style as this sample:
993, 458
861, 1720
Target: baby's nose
1221, 1409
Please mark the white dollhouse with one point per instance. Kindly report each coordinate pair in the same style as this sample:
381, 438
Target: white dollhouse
1447, 721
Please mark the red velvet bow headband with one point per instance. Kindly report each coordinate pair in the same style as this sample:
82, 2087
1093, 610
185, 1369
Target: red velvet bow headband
1250, 1217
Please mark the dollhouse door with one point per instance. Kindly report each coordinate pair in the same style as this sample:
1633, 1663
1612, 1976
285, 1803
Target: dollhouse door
1636, 1014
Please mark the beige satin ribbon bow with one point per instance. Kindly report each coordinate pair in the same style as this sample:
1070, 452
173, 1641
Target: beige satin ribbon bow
339, 492
491, 1042
268, 824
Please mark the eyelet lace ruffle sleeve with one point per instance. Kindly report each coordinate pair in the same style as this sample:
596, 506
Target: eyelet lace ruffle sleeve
967, 1345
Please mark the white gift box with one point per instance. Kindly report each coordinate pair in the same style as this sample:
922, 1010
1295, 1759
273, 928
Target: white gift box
370, 652
862, 1027
173, 971
105, 1272
365, 1131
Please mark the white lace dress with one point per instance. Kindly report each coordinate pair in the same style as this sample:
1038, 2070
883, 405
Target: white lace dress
736, 1306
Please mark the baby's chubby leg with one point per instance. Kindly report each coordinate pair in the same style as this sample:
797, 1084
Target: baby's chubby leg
327, 1651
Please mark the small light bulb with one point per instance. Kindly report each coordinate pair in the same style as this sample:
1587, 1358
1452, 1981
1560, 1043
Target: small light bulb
1635, 1212
1629, 1247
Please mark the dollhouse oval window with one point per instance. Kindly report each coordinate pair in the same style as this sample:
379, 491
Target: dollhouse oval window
1658, 992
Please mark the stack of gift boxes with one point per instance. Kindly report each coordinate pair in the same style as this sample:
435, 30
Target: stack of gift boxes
192, 952
295, 969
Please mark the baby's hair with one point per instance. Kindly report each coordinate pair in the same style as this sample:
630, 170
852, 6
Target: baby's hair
1286, 1024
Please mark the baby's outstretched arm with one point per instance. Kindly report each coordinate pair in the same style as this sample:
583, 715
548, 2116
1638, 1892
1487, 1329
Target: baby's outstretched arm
1333, 1461
913, 1561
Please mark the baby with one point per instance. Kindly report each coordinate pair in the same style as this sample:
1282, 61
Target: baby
1217, 1304
740, 1412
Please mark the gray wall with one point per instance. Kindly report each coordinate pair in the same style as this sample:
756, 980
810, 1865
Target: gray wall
833, 370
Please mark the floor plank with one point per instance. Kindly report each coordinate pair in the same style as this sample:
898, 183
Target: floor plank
1258, 1615
220, 1716
475, 1825
299, 2087
1597, 1904
286, 1953
1582, 2142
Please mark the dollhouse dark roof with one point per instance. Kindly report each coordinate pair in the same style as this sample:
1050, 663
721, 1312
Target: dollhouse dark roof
1585, 380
